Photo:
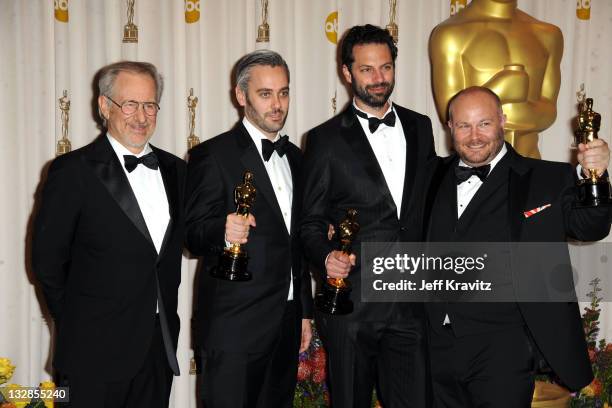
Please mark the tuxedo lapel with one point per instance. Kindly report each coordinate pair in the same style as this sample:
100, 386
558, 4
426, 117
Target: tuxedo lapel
297, 191
354, 136
168, 172
105, 164
498, 178
443, 218
409, 128
252, 161
519, 185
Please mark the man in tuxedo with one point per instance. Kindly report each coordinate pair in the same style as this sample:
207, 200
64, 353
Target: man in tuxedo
250, 332
107, 251
369, 158
487, 355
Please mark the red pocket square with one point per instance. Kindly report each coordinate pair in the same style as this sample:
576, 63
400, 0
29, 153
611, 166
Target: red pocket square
536, 210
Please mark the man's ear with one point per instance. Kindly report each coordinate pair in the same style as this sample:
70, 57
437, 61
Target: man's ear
348, 77
240, 96
103, 106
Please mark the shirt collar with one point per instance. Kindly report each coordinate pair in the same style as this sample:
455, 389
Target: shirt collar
121, 150
257, 134
493, 162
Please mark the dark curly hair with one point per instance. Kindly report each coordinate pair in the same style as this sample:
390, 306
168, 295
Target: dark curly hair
365, 34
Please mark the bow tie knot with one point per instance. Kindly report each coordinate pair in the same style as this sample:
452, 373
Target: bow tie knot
463, 173
268, 147
374, 122
149, 160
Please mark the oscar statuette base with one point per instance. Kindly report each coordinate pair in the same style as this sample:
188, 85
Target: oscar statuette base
334, 300
232, 267
594, 193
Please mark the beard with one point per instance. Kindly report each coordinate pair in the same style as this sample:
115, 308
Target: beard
371, 99
260, 119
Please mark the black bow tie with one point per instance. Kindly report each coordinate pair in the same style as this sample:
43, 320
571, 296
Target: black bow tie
462, 173
374, 122
267, 147
149, 160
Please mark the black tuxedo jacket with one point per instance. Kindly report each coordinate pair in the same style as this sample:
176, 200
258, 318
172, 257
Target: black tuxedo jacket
97, 264
527, 184
242, 316
341, 172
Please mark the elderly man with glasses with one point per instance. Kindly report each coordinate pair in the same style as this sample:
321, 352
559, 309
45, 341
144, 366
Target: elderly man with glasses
107, 251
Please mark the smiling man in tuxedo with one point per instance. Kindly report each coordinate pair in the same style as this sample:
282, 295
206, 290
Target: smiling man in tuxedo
369, 158
250, 332
107, 251
484, 193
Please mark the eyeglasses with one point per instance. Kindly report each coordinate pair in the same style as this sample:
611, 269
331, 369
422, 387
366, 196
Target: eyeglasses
131, 107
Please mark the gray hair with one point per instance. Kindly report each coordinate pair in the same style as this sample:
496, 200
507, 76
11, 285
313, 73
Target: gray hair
108, 74
259, 57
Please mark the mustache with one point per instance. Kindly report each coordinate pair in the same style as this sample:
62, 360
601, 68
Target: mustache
276, 111
378, 85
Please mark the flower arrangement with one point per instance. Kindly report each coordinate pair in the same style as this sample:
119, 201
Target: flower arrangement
311, 389
6, 372
599, 392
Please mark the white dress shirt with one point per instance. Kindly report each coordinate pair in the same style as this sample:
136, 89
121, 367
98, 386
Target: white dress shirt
279, 172
148, 187
389, 146
467, 190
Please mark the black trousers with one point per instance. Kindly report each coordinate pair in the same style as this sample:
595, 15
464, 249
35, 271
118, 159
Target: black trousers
494, 369
390, 356
150, 388
264, 379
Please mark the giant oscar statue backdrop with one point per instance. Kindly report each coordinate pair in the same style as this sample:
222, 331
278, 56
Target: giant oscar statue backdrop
494, 44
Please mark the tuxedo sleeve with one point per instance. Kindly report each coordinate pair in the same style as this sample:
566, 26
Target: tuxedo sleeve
306, 289
205, 205
583, 224
55, 226
316, 182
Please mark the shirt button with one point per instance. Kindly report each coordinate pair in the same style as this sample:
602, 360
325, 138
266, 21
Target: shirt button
279, 188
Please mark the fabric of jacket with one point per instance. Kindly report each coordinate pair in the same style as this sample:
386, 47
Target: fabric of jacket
243, 316
97, 264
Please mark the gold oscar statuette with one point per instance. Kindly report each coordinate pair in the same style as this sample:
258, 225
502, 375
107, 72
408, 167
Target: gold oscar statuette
130, 30
392, 27
334, 296
494, 44
595, 190
233, 261
192, 103
333, 103
263, 31
64, 145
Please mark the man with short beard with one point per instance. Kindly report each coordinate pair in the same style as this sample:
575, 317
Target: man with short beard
250, 332
487, 192
369, 158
